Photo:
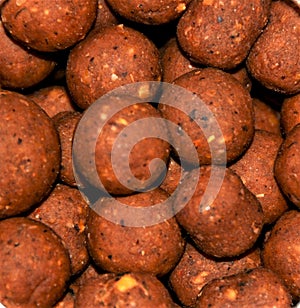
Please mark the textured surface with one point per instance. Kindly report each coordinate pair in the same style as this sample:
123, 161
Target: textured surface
230, 104
129, 290
274, 60
19, 67
153, 12
257, 288
196, 269
29, 154
256, 169
220, 33
49, 25
281, 251
149, 249
287, 166
290, 113
35, 266
66, 123
52, 99
230, 225
65, 211
109, 59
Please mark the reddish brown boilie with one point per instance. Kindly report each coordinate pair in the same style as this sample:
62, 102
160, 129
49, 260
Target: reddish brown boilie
29, 154
65, 212
230, 124
117, 246
274, 60
259, 287
226, 224
281, 251
287, 166
49, 25
66, 123
105, 17
290, 113
266, 118
108, 59
220, 33
153, 12
119, 157
20, 67
256, 169
195, 270
53, 100
128, 290
34, 265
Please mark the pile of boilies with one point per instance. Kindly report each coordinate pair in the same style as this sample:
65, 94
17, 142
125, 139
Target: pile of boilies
240, 247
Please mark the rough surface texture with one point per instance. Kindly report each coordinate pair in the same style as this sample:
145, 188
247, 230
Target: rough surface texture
68, 301
49, 25
230, 104
65, 211
35, 266
266, 118
105, 17
53, 100
66, 123
19, 67
220, 33
29, 154
109, 59
124, 162
227, 227
256, 169
273, 60
196, 269
128, 290
153, 12
257, 288
120, 248
174, 61
174, 176
290, 113
281, 251
287, 166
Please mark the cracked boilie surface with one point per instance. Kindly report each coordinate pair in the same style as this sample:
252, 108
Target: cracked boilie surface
52, 99
195, 269
256, 169
65, 211
257, 288
128, 290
